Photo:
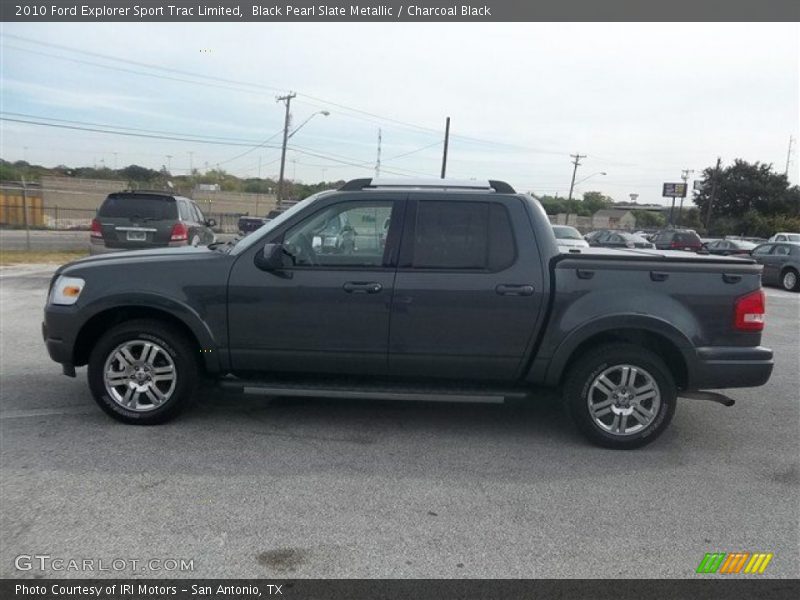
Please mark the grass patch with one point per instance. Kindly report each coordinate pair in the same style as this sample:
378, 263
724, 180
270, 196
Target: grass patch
57, 257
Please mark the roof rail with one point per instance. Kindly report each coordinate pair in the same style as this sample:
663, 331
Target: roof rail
501, 187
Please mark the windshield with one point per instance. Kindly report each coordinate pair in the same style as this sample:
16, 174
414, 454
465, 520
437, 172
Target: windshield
567, 233
257, 235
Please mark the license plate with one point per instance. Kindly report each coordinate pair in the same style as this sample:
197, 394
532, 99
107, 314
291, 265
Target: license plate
137, 236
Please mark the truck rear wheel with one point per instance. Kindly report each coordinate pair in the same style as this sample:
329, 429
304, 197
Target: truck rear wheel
143, 372
620, 396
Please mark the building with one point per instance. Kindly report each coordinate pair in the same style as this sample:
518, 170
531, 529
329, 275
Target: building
613, 218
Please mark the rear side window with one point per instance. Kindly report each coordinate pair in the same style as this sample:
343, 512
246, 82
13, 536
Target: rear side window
687, 237
198, 214
184, 211
463, 235
134, 206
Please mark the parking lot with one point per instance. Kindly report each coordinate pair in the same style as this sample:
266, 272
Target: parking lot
255, 487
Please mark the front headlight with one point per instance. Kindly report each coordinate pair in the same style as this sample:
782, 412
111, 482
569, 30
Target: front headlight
66, 290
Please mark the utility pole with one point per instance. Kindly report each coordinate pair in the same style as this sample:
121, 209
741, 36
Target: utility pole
25, 214
576, 163
115, 160
287, 100
685, 176
714, 184
789, 156
191, 164
258, 196
446, 144
169, 164
378, 161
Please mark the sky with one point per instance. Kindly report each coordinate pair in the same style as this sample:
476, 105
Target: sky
641, 101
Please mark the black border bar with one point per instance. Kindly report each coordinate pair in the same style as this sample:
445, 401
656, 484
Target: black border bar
678, 11
703, 588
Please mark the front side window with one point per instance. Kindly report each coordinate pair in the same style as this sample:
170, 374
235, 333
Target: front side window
349, 234
765, 249
463, 235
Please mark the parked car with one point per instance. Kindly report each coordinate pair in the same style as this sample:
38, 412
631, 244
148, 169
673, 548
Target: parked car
618, 239
677, 239
781, 262
744, 238
785, 237
568, 237
144, 220
248, 224
469, 299
729, 247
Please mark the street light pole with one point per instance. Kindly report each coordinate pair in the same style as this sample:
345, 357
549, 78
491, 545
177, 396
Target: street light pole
685, 176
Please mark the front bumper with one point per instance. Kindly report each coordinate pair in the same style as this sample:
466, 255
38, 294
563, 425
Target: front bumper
730, 367
59, 332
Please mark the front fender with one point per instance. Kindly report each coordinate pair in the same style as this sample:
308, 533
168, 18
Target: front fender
166, 304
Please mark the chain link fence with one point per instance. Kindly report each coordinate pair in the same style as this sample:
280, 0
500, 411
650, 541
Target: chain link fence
17, 214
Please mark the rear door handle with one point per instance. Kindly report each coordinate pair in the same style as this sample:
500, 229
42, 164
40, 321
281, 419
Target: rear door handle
361, 287
508, 289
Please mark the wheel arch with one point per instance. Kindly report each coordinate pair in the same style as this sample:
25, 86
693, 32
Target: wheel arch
108, 317
661, 338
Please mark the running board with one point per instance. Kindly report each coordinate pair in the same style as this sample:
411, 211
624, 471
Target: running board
711, 396
482, 395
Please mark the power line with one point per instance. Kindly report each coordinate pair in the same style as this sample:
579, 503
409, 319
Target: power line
333, 158
206, 78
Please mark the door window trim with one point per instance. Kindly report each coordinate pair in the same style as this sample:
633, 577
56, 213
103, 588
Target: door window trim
406, 252
389, 261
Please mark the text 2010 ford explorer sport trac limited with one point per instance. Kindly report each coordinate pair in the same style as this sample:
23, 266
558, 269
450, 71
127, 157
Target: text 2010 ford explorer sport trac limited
394, 289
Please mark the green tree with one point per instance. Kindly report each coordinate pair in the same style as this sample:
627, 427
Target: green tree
646, 219
594, 201
744, 187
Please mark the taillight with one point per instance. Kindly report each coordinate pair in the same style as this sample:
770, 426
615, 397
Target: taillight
749, 312
97, 231
179, 233
676, 245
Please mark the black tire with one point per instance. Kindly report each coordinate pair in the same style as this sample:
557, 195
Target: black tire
787, 285
581, 376
173, 342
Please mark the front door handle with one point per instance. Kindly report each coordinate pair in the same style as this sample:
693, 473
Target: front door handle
361, 287
508, 289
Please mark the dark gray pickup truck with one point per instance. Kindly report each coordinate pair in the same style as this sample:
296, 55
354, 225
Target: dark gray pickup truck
394, 289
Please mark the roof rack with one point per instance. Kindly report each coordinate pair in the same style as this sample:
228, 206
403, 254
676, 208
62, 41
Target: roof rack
501, 187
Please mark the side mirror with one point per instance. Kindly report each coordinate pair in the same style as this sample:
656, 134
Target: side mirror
270, 258
211, 223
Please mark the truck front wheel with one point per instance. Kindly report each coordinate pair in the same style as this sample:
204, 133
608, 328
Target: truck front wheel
620, 396
142, 372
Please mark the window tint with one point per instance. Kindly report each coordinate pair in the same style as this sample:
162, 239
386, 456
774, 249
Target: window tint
349, 234
463, 235
763, 249
135, 206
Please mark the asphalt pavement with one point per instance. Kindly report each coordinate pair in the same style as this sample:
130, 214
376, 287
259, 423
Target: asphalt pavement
254, 487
